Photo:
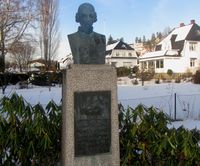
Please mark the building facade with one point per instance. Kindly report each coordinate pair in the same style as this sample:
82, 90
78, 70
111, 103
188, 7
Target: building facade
120, 54
179, 51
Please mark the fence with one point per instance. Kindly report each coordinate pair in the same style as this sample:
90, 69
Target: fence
177, 106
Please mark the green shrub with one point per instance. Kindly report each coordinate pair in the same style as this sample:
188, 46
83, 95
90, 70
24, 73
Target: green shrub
170, 72
196, 77
46, 78
178, 79
157, 81
146, 140
12, 78
146, 75
135, 69
135, 82
31, 135
186, 75
123, 71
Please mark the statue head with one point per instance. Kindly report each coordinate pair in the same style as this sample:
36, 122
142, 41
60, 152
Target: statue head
86, 15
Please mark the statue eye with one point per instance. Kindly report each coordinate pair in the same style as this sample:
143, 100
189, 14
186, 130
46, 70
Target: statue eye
83, 15
91, 16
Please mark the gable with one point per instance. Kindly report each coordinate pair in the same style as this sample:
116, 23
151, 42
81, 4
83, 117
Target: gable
194, 33
110, 47
119, 45
123, 46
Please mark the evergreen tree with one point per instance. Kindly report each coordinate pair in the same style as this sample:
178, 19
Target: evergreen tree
144, 39
136, 40
121, 39
153, 37
159, 35
110, 40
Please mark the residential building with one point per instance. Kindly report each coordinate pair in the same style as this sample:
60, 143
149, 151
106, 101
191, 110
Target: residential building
120, 54
179, 51
38, 64
66, 61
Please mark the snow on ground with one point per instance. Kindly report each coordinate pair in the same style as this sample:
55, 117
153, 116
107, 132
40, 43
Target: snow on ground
157, 95
188, 124
36, 94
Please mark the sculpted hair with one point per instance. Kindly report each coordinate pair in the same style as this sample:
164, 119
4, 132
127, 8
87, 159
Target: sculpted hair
85, 5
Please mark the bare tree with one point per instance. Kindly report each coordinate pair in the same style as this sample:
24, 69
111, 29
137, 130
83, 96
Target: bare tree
15, 16
22, 53
49, 34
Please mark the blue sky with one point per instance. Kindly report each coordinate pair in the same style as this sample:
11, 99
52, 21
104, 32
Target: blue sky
128, 18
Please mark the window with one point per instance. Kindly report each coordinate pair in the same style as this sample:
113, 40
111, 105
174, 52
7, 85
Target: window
117, 53
192, 62
159, 64
129, 54
192, 46
151, 65
144, 65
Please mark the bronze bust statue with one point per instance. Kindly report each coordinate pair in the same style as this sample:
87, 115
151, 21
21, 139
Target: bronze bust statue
87, 47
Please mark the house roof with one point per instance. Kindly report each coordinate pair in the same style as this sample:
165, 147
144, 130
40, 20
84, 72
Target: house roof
67, 58
177, 37
111, 46
41, 61
120, 45
161, 53
178, 34
36, 64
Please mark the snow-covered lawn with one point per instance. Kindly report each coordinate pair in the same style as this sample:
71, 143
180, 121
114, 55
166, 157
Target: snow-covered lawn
157, 95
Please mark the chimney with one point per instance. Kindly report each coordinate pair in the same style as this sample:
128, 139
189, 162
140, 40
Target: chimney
182, 24
192, 21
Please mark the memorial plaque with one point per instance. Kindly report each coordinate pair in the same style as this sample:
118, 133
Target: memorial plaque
92, 128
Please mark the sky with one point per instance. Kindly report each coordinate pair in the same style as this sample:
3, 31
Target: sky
128, 18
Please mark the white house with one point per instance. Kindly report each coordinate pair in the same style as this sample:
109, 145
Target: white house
66, 61
179, 51
121, 54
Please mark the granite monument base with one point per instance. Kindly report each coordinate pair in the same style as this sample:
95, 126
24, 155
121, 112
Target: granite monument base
90, 135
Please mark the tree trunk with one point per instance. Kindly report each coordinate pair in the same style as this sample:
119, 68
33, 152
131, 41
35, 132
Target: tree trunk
2, 56
2, 63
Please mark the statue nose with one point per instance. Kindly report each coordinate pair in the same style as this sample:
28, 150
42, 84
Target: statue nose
88, 17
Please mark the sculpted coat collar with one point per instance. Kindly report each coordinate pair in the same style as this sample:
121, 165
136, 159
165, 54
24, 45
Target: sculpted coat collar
85, 30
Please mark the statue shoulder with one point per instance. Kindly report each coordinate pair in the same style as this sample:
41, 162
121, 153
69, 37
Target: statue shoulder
73, 35
72, 38
100, 36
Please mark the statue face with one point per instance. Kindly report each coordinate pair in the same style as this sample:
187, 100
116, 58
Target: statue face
86, 16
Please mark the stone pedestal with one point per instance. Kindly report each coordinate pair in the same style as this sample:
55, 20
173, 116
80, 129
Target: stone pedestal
90, 135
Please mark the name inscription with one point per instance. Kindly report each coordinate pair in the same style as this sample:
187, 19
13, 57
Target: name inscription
92, 128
